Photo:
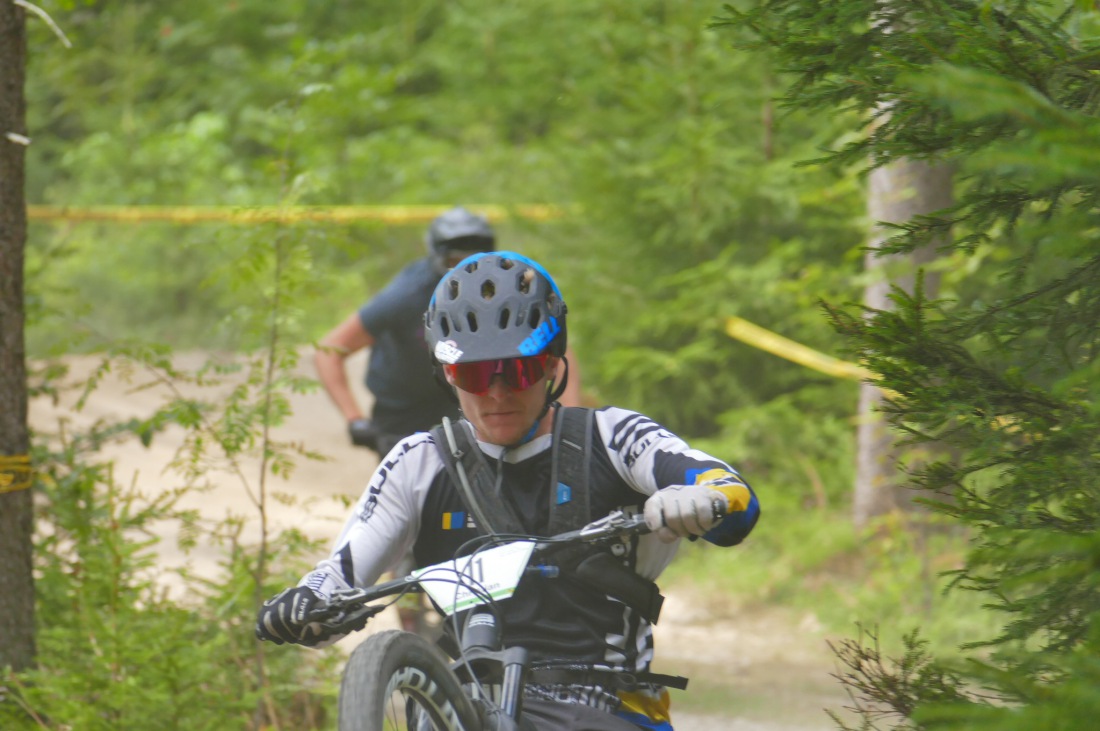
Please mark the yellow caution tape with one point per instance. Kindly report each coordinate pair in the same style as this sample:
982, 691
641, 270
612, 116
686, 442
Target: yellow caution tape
756, 336
15, 473
281, 214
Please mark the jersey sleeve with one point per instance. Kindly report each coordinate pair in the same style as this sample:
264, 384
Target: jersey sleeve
650, 457
383, 525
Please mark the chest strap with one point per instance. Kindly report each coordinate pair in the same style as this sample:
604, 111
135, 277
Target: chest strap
571, 461
471, 473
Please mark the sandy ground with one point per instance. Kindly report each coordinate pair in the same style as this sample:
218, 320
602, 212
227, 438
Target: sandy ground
765, 670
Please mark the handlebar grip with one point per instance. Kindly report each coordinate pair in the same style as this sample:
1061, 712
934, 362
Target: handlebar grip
719, 506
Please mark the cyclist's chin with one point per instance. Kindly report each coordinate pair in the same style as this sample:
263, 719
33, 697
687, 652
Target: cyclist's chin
503, 428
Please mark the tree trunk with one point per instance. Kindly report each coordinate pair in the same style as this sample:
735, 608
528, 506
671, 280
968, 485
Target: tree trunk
16, 517
897, 193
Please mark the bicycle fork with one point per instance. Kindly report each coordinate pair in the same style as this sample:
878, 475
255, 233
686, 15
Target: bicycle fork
504, 670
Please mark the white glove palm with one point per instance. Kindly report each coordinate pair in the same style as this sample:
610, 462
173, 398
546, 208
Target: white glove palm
684, 510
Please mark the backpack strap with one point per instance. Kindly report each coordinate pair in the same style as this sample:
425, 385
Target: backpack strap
570, 506
570, 503
471, 473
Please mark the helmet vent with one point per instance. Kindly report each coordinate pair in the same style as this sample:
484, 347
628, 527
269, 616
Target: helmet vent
534, 317
445, 326
488, 289
471, 318
505, 315
506, 263
452, 289
472, 266
525, 280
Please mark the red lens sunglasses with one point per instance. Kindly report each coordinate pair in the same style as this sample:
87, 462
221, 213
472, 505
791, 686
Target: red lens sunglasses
519, 373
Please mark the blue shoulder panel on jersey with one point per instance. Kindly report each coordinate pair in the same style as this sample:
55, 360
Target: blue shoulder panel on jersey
735, 526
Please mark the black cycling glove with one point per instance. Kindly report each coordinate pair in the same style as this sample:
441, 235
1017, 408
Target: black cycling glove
283, 618
363, 433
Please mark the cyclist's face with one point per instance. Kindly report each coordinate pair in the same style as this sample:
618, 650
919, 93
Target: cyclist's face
454, 256
503, 415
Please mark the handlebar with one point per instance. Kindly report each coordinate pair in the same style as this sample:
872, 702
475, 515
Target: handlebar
616, 524
348, 610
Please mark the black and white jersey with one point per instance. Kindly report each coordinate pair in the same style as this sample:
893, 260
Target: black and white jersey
411, 505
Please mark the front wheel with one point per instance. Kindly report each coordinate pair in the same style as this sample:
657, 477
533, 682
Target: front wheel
397, 680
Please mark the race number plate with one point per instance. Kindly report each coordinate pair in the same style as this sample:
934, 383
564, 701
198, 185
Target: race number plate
471, 580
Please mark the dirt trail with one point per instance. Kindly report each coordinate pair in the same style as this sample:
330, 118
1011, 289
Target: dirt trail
764, 670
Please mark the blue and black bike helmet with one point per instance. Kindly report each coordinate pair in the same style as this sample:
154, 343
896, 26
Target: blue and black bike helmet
458, 230
495, 305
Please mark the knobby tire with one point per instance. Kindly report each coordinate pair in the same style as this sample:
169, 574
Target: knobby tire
395, 662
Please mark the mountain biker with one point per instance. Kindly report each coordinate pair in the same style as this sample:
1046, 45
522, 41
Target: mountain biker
407, 397
496, 327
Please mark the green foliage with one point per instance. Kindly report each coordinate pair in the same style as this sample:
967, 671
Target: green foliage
670, 152
1003, 374
121, 642
810, 558
1059, 691
694, 200
117, 651
889, 689
1023, 689
800, 440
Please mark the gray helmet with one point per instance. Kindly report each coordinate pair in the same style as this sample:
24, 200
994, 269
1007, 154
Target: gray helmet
495, 305
459, 229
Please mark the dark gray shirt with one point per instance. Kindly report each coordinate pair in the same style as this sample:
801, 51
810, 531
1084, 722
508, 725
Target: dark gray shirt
407, 398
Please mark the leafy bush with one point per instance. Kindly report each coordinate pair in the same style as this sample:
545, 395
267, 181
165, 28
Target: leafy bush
125, 644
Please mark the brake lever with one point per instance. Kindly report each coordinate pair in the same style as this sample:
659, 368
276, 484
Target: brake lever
342, 599
613, 525
344, 621
615, 522
345, 612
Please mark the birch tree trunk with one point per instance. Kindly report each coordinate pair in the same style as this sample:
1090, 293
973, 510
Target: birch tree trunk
897, 192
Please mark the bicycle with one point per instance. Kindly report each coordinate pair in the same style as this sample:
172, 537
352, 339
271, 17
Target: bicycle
402, 680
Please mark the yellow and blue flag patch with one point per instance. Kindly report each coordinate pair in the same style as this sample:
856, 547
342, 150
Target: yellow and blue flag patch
454, 521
